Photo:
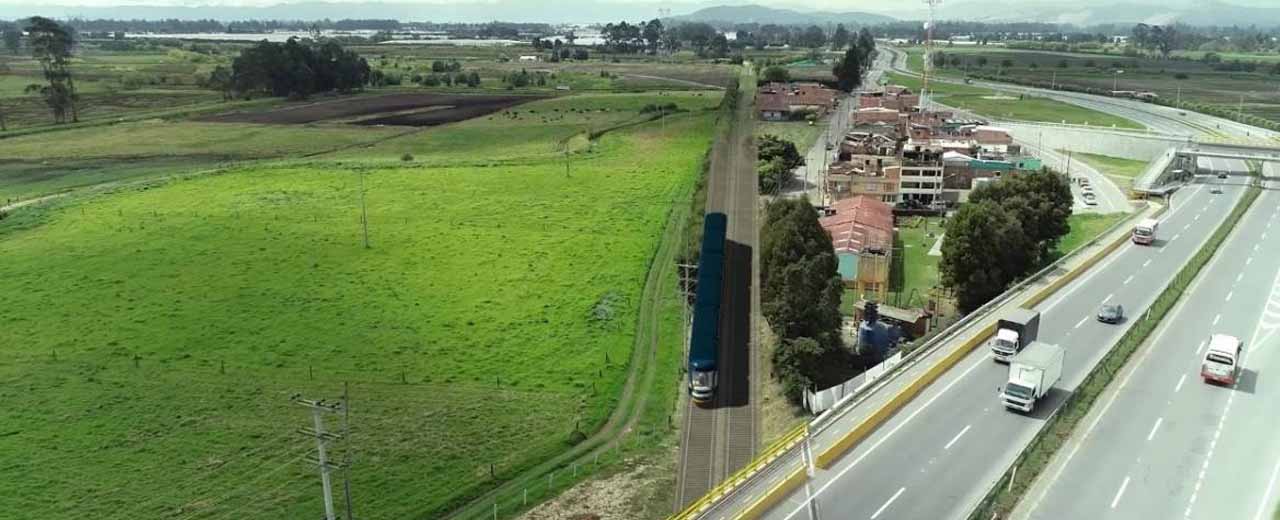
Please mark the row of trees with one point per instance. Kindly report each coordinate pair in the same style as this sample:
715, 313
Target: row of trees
857, 59
293, 69
800, 295
775, 158
1009, 229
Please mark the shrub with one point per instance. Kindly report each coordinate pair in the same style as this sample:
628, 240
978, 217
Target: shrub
407, 157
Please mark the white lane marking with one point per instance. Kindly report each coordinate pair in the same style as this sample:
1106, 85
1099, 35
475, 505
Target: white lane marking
1229, 295
1197, 217
1264, 236
886, 504
1154, 427
1108, 298
1184, 228
1127, 280
1239, 276
1249, 261
1119, 493
1148, 262
1181, 380
1216, 318
957, 437
1201, 347
1266, 495
982, 360
1085, 280
1175, 237
1081, 322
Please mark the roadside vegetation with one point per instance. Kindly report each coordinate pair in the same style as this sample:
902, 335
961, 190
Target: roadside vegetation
1007, 230
800, 298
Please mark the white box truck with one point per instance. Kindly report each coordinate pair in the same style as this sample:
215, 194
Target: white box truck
1031, 374
1014, 332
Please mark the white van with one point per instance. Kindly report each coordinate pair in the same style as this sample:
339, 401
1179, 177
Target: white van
1221, 363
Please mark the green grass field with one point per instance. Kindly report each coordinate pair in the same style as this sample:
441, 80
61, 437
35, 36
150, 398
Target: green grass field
156, 333
990, 103
46, 163
799, 132
1122, 171
1086, 227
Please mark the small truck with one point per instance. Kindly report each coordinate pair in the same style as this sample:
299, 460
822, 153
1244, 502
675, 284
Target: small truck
1031, 374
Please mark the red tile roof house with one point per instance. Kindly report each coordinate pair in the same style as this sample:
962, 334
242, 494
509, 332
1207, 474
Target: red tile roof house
777, 101
861, 230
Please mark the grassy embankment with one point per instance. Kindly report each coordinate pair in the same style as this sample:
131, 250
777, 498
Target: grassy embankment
1122, 171
997, 105
799, 132
157, 332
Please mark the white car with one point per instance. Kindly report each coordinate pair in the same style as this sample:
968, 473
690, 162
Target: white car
1090, 201
1086, 189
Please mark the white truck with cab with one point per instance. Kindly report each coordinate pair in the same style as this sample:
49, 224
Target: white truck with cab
1031, 374
1014, 332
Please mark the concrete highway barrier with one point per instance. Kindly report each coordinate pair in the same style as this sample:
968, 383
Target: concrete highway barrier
775, 495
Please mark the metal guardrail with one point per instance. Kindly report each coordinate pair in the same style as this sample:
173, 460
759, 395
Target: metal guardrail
810, 432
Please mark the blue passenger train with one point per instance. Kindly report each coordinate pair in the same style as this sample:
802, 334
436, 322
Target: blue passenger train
704, 341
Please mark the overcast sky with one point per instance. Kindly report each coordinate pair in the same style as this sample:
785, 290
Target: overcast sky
903, 9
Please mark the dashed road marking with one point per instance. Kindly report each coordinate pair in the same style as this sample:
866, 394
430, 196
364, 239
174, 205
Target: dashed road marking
1216, 319
886, 504
1119, 493
957, 437
1154, 427
1229, 295
1081, 322
1181, 380
1127, 280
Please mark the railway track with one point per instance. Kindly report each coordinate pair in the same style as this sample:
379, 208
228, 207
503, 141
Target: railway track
721, 438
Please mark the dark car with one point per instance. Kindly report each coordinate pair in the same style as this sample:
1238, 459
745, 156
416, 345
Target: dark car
1111, 313
1222, 174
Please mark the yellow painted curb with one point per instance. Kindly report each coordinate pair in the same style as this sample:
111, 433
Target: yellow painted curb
775, 495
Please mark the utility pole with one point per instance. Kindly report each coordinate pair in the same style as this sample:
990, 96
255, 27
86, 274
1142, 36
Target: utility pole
318, 409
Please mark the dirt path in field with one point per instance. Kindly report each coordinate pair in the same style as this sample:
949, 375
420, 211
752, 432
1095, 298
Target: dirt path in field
674, 80
12, 205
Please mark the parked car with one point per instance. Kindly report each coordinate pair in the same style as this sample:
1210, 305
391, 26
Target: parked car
1111, 313
1222, 174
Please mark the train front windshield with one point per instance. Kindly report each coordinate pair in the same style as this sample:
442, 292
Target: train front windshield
702, 383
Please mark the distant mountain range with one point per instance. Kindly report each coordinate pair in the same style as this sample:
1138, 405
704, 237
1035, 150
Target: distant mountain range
1079, 12
1199, 13
730, 14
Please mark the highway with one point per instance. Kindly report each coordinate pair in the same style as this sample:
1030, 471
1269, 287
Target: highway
1166, 445
937, 456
